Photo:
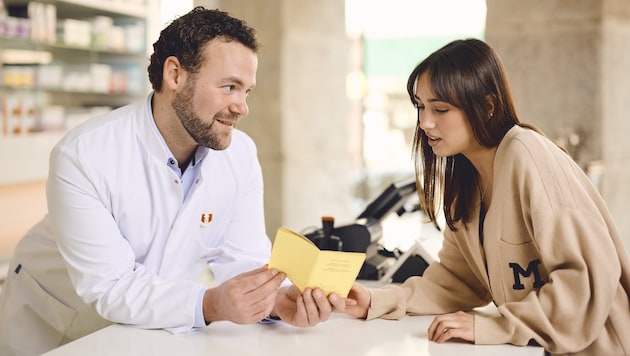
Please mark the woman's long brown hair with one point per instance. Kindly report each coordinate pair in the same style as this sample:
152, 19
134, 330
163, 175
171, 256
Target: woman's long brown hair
469, 75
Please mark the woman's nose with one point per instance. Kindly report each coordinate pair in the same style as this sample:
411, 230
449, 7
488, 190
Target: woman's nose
425, 121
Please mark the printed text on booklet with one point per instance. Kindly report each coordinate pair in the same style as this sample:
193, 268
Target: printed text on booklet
309, 267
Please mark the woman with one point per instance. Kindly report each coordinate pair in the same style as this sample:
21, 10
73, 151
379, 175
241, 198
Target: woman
526, 229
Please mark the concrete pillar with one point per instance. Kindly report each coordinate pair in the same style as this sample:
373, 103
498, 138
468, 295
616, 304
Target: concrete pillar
616, 111
566, 61
299, 108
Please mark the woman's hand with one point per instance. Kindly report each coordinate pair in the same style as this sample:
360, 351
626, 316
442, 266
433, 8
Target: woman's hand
458, 325
358, 302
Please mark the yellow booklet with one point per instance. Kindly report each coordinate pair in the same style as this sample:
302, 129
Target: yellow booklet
308, 267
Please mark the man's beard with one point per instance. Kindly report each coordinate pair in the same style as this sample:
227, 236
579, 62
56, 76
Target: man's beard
200, 132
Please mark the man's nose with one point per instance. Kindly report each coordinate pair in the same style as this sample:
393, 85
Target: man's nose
239, 106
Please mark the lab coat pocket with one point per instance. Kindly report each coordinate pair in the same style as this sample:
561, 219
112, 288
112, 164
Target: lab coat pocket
44, 316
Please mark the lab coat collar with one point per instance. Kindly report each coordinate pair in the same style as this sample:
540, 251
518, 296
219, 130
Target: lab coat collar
149, 133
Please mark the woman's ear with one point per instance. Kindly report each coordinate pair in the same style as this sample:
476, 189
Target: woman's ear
171, 73
490, 102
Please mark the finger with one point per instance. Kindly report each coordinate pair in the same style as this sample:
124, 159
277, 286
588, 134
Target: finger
448, 333
266, 311
253, 280
269, 288
438, 326
350, 302
444, 334
461, 327
448, 326
271, 280
257, 310
432, 327
339, 304
301, 318
441, 334
312, 313
255, 293
324, 307
291, 292
264, 298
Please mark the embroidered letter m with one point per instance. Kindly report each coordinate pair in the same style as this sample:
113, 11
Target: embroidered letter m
532, 267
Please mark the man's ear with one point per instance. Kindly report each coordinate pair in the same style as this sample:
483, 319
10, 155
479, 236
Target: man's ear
172, 73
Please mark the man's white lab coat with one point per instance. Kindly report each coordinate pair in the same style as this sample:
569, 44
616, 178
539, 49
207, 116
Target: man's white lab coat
120, 243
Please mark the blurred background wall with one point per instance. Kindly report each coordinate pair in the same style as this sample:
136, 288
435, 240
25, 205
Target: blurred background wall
569, 63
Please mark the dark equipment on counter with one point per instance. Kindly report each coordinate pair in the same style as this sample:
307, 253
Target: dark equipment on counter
365, 233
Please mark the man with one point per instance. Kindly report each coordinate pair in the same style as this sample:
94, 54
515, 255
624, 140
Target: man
142, 198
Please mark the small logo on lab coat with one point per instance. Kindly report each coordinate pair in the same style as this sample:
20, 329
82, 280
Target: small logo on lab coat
206, 219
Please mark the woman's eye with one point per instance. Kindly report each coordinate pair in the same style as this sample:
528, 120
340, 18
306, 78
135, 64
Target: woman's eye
441, 111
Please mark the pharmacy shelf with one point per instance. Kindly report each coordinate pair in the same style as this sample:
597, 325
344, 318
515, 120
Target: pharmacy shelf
26, 157
88, 8
86, 98
25, 44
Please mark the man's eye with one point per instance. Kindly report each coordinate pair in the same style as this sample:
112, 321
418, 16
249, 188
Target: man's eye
228, 88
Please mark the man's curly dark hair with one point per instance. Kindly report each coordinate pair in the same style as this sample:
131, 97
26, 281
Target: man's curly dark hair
187, 36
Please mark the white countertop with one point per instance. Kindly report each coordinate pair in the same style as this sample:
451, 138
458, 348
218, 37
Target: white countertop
341, 335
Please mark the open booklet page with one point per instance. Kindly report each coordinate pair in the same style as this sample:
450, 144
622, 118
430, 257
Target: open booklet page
309, 267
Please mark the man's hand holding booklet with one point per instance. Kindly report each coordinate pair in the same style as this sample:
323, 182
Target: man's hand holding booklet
309, 267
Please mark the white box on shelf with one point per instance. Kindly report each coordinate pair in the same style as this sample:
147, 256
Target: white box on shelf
74, 32
43, 20
50, 13
100, 77
116, 39
49, 76
92, 78
135, 41
101, 26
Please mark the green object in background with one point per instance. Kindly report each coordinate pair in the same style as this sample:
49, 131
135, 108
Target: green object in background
396, 57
